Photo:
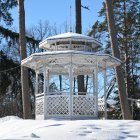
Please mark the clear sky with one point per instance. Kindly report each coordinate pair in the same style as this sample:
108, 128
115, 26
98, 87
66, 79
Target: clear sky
58, 11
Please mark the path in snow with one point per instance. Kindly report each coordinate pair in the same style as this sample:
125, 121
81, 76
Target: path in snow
15, 128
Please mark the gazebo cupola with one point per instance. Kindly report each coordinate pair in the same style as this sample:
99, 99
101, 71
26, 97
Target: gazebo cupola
70, 41
69, 55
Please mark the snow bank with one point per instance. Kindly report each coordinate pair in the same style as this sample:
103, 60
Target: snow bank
7, 118
16, 128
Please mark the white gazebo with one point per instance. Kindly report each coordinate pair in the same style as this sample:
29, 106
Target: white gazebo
69, 55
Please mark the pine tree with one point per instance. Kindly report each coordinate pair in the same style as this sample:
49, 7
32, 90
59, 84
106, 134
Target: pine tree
5, 6
127, 20
9, 86
116, 53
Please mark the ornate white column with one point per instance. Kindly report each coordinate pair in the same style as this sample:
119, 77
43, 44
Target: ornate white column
94, 91
45, 103
105, 101
71, 91
36, 83
96, 87
46, 92
36, 92
39, 101
70, 71
48, 79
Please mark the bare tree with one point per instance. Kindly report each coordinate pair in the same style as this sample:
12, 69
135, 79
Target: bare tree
24, 71
40, 31
65, 26
116, 53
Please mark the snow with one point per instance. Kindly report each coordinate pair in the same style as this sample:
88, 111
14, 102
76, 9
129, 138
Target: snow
31, 60
15, 128
69, 35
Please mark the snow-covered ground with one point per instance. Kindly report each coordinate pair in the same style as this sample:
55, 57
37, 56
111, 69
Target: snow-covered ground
15, 128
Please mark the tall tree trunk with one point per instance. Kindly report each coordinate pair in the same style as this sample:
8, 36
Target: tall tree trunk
24, 70
80, 78
78, 16
119, 71
126, 51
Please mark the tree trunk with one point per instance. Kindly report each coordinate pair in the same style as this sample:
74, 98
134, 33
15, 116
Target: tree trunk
126, 51
119, 71
78, 17
80, 78
24, 70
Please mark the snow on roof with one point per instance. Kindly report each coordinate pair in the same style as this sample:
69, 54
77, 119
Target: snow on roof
69, 36
79, 58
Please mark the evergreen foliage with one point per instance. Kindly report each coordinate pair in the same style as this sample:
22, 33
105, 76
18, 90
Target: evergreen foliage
10, 89
14, 36
10, 84
127, 18
5, 7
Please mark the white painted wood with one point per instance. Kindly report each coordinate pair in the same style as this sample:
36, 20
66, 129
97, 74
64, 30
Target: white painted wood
44, 80
62, 59
45, 103
36, 84
36, 92
105, 101
80, 102
48, 79
59, 59
94, 90
96, 87
71, 84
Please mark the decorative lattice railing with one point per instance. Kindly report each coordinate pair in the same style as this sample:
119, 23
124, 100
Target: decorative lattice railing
60, 106
101, 108
57, 105
83, 105
40, 105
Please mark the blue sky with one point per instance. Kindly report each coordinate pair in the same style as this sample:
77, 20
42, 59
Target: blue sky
58, 11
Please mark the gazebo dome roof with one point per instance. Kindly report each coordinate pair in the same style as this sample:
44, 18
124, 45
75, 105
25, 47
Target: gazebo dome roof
69, 36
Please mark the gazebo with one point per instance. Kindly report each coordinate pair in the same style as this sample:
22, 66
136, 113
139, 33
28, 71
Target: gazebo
69, 55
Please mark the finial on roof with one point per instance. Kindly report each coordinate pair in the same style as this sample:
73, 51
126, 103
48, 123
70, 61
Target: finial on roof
70, 20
